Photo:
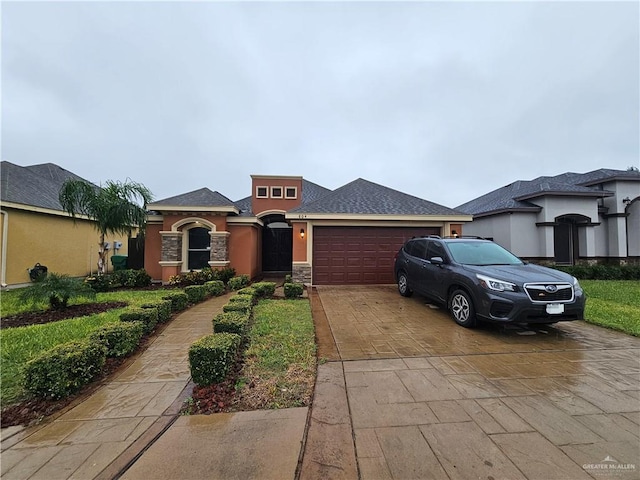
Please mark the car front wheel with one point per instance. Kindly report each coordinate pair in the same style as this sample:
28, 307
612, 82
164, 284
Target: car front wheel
461, 307
403, 285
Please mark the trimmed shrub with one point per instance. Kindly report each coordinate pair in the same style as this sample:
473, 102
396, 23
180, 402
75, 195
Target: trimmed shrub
215, 287
196, 293
179, 301
241, 303
163, 307
248, 292
211, 357
231, 322
99, 283
131, 278
287, 279
148, 317
264, 289
65, 369
236, 283
119, 338
602, 272
293, 290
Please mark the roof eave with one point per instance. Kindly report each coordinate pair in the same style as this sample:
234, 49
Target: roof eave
369, 216
507, 210
565, 193
193, 208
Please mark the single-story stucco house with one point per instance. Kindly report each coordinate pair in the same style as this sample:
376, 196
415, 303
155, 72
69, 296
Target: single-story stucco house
35, 229
565, 219
288, 224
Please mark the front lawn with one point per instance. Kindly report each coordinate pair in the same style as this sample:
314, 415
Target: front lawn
613, 304
19, 345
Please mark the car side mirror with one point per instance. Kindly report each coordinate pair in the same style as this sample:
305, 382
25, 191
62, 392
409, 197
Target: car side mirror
437, 260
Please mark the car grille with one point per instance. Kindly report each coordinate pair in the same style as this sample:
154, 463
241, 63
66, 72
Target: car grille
549, 292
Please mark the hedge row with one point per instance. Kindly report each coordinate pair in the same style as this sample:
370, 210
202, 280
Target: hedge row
66, 368
602, 272
211, 357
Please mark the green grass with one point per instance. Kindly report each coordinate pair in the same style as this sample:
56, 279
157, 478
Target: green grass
613, 304
21, 344
280, 360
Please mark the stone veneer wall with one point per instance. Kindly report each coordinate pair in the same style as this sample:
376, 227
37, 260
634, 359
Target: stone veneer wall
219, 246
301, 273
171, 247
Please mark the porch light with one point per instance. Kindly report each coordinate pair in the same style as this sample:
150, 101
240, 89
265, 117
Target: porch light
626, 201
302, 233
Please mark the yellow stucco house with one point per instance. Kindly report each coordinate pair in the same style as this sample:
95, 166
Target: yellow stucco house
35, 229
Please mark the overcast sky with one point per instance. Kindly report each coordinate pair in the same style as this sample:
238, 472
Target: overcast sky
444, 101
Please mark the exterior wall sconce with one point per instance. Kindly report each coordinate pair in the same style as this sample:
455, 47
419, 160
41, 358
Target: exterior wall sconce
626, 201
454, 233
302, 233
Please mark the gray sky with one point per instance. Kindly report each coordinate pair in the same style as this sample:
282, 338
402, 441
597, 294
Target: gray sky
445, 101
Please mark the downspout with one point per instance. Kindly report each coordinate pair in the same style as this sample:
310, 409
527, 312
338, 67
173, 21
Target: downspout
3, 253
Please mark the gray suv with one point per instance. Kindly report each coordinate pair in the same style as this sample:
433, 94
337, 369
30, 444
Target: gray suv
478, 279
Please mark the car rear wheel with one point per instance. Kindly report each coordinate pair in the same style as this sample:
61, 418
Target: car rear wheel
461, 308
403, 285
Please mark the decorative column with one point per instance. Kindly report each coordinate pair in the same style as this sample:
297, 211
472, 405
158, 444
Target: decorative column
171, 254
219, 249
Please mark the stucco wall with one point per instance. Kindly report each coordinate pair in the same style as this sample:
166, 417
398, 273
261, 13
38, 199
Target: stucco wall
54, 241
245, 249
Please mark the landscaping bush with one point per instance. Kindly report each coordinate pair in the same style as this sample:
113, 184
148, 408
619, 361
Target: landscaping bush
264, 289
215, 287
226, 274
249, 292
293, 290
287, 279
241, 304
179, 301
211, 357
231, 322
163, 307
57, 290
63, 370
99, 283
236, 283
239, 298
602, 272
131, 278
196, 293
148, 317
119, 338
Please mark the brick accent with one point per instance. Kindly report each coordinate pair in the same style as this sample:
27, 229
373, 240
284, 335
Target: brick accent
301, 273
219, 246
171, 247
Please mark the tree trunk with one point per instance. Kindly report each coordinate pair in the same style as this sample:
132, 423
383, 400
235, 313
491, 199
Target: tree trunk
102, 256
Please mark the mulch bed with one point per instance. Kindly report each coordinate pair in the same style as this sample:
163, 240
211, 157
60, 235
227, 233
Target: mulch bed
47, 316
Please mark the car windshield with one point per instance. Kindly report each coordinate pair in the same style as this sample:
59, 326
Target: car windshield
481, 253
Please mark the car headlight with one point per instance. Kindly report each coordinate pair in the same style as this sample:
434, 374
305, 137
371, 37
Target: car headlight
576, 284
495, 284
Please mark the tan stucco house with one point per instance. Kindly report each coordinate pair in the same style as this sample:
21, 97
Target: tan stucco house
35, 229
288, 224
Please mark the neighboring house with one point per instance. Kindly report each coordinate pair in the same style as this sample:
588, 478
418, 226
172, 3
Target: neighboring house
566, 219
288, 224
35, 229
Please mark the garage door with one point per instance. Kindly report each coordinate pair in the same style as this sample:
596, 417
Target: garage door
359, 255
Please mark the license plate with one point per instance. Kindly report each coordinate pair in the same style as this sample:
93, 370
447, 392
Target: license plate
555, 308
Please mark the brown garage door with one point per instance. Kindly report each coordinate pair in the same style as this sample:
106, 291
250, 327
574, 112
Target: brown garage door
359, 255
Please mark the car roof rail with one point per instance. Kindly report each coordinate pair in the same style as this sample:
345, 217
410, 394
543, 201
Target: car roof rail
474, 237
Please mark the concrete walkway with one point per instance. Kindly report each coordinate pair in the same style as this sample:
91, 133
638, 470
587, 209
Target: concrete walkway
402, 393
100, 437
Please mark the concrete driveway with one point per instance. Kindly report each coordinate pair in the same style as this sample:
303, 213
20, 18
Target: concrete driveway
430, 399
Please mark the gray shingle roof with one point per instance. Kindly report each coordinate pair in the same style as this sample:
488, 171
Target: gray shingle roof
36, 185
202, 197
363, 197
513, 197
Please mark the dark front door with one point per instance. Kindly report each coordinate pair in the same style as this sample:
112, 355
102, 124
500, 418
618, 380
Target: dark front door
565, 242
277, 245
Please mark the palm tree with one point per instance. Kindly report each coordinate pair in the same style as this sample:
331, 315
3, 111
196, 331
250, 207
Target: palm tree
116, 208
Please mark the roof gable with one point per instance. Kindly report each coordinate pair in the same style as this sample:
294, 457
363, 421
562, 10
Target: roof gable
362, 197
202, 197
513, 197
35, 186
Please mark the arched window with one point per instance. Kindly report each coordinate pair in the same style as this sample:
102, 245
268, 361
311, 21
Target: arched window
198, 248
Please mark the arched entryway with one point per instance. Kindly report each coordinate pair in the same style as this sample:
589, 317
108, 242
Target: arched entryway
566, 244
277, 244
